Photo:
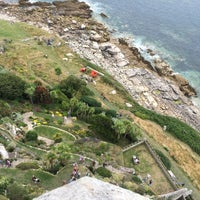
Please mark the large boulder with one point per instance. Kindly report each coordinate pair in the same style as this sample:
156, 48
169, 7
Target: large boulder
88, 188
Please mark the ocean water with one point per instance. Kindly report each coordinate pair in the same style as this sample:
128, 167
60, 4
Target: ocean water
169, 27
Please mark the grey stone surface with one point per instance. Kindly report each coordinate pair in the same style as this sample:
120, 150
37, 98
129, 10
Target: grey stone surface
88, 188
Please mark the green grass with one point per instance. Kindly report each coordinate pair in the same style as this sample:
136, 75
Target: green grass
49, 132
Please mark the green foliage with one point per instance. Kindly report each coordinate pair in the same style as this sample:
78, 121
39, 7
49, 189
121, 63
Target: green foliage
11, 87
57, 158
31, 135
57, 96
124, 128
98, 110
141, 115
103, 126
5, 109
57, 138
103, 147
17, 192
103, 172
11, 147
4, 182
111, 113
164, 159
28, 165
73, 86
58, 71
175, 127
90, 101
136, 179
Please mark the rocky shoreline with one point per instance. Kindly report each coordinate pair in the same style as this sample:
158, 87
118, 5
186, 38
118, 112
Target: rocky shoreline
154, 86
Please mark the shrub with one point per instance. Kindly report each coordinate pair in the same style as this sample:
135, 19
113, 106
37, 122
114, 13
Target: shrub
111, 113
31, 136
11, 87
57, 138
73, 85
90, 101
103, 172
58, 96
98, 110
164, 159
17, 192
11, 147
28, 165
136, 179
5, 109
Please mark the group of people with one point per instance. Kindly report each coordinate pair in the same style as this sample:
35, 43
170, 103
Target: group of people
6, 163
136, 160
75, 173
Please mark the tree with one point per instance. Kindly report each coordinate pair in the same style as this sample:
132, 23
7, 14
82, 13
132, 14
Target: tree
125, 128
119, 127
11, 87
103, 126
62, 150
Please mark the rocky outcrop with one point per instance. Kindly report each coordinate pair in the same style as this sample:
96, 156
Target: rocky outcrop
88, 188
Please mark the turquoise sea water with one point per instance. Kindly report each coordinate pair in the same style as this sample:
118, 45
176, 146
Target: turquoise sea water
170, 27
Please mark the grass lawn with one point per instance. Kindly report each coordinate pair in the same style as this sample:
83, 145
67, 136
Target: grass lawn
146, 166
49, 132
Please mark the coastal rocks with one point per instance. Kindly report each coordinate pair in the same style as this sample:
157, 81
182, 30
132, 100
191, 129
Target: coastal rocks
162, 68
184, 86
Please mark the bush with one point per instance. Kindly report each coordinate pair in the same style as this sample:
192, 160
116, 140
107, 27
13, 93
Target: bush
17, 192
90, 101
103, 172
164, 159
31, 136
73, 86
28, 165
5, 109
136, 179
98, 110
57, 138
58, 96
111, 113
11, 87
11, 147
